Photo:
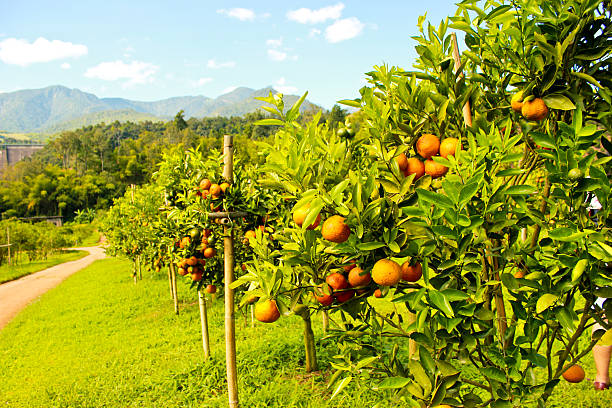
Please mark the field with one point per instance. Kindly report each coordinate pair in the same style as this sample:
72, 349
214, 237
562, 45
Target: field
12, 272
99, 340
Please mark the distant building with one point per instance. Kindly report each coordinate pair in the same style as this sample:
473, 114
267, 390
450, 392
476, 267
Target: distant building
11, 154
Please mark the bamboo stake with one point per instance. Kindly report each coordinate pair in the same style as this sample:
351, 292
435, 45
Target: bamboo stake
170, 281
467, 111
8, 242
174, 289
230, 320
412, 345
204, 322
325, 321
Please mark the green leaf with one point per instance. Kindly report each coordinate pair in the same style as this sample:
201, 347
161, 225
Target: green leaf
579, 269
523, 189
270, 122
393, 383
545, 301
558, 101
341, 386
543, 140
587, 78
494, 373
370, 246
440, 302
355, 103
565, 318
434, 198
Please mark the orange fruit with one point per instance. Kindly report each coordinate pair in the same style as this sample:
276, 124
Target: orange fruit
520, 274
192, 261
323, 298
574, 374
211, 289
185, 242
209, 252
428, 145
224, 186
344, 295
243, 267
449, 146
251, 299
517, 101
352, 264
434, 169
402, 161
378, 293
416, 167
335, 230
357, 277
205, 184
386, 272
337, 281
182, 271
247, 235
196, 276
411, 273
299, 215
267, 311
535, 110
215, 189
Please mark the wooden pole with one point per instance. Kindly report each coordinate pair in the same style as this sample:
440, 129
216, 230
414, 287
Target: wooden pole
252, 316
230, 320
325, 317
8, 241
139, 267
170, 281
174, 289
412, 345
204, 322
467, 111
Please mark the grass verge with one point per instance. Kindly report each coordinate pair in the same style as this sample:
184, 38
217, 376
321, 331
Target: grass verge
12, 272
99, 340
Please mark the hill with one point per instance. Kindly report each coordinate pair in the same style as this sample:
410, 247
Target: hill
56, 108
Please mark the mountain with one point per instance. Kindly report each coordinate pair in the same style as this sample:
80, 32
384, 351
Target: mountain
57, 108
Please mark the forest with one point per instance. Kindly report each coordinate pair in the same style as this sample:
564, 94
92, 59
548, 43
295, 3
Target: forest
86, 169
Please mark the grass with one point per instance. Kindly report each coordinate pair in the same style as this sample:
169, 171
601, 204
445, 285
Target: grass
12, 272
99, 340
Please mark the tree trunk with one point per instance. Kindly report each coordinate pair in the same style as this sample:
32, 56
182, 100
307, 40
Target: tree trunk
309, 344
204, 322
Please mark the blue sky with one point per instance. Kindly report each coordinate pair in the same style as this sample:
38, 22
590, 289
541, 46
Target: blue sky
150, 50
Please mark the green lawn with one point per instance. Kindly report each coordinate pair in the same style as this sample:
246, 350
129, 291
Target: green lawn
99, 340
12, 272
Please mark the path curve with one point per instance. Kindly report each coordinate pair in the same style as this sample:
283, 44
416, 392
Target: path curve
17, 294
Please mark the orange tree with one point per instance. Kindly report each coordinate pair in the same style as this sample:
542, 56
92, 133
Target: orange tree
511, 260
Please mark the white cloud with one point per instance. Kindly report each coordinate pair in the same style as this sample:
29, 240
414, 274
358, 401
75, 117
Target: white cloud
276, 55
314, 32
281, 87
217, 65
308, 16
202, 81
228, 90
241, 14
275, 43
135, 72
20, 52
344, 29
65, 65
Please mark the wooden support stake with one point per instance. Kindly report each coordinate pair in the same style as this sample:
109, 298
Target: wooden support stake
170, 281
8, 242
204, 322
230, 320
325, 317
174, 288
467, 111
412, 345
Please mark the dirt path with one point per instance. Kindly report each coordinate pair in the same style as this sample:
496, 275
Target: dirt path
17, 294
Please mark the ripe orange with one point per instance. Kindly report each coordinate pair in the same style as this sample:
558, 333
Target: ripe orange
185, 242
251, 299
267, 311
205, 184
344, 295
209, 252
402, 162
517, 101
449, 146
299, 215
519, 274
411, 273
211, 289
243, 267
335, 230
224, 186
196, 276
192, 261
434, 169
215, 189
182, 271
247, 235
428, 145
337, 281
352, 264
378, 293
357, 277
324, 299
386, 272
574, 374
535, 110
416, 167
